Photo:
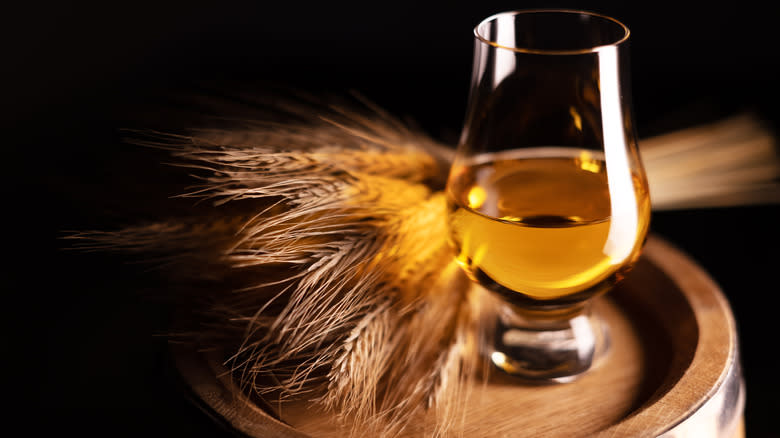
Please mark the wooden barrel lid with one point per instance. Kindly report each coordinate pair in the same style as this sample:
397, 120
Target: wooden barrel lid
672, 371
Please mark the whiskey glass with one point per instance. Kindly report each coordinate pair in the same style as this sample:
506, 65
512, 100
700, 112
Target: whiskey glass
548, 199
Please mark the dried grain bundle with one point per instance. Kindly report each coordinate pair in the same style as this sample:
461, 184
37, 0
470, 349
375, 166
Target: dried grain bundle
322, 284
347, 241
728, 162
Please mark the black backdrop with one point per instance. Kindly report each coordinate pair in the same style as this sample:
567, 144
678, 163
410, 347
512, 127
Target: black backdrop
81, 338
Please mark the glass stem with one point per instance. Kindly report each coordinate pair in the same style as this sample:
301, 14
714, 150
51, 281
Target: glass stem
554, 345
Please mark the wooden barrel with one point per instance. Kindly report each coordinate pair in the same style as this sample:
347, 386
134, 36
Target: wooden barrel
672, 371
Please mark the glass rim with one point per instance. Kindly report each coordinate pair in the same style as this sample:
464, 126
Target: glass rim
514, 13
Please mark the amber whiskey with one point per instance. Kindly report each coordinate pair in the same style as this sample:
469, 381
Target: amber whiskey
539, 222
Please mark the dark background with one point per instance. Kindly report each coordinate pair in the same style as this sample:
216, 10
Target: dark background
81, 340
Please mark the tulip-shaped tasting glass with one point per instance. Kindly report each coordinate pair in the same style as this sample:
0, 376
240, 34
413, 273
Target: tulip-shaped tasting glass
548, 199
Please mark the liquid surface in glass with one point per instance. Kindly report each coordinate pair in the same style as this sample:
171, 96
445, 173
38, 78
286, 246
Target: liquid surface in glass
537, 221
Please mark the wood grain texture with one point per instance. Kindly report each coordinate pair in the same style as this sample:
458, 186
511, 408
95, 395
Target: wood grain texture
672, 370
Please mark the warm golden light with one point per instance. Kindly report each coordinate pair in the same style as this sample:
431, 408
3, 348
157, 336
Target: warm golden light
476, 197
588, 162
576, 118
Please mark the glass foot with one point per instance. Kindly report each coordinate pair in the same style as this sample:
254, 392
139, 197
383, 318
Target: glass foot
548, 345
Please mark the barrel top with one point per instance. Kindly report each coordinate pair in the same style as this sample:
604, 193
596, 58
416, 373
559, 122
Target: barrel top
672, 368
